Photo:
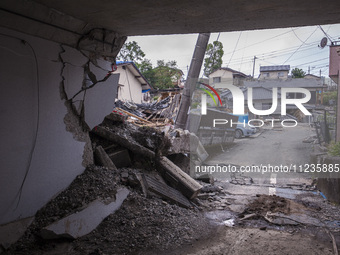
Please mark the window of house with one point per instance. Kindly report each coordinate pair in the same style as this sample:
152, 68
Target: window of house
281, 74
265, 74
217, 80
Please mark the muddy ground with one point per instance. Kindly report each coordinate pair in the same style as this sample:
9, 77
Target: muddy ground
237, 215
154, 226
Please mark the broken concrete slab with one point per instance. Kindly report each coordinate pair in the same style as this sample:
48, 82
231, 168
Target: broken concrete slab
124, 141
121, 158
103, 159
165, 191
85, 221
207, 178
11, 232
116, 116
177, 178
292, 219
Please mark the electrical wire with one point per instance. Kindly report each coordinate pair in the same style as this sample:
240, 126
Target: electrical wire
28, 167
238, 39
300, 45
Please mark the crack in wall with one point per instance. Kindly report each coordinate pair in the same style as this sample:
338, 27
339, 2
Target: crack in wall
74, 122
90, 79
75, 118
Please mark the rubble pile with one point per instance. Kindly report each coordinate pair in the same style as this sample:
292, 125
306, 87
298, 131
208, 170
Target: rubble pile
144, 224
140, 223
134, 198
159, 113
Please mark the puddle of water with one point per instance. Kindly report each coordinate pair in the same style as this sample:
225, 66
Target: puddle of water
287, 193
221, 217
332, 224
229, 223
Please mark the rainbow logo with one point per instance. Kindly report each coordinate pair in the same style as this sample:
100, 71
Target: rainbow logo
211, 95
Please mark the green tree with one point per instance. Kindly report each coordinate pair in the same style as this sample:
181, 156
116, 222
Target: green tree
213, 60
166, 75
147, 70
298, 73
329, 95
131, 51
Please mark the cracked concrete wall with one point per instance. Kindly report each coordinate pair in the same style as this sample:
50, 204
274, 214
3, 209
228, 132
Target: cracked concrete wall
44, 145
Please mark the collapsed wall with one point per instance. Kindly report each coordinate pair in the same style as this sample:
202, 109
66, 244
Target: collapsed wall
51, 95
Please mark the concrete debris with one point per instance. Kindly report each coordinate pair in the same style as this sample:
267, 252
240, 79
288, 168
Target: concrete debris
123, 141
166, 192
102, 159
207, 178
310, 139
10, 233
291, 219
279, 220
178, 178
83, 222
121, 158
116, 116
150, 144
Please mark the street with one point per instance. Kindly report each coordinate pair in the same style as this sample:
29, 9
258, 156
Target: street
280, 149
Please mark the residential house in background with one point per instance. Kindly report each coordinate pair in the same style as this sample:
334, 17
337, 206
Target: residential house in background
132, 85
177, 79
315, 87
224, 76
263, 89
274, 72
262, 99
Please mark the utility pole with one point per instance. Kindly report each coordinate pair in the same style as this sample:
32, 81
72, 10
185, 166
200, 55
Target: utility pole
254, 65
190, 84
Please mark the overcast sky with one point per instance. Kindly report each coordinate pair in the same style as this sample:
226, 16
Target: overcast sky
297, 47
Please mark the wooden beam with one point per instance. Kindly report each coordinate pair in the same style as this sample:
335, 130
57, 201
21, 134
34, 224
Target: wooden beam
133, 115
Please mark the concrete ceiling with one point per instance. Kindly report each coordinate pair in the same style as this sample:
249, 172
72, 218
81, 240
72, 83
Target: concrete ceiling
101, 26
151, 17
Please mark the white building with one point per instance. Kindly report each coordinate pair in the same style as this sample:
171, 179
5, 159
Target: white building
132, 85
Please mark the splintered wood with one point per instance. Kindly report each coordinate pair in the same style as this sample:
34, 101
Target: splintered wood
156, 114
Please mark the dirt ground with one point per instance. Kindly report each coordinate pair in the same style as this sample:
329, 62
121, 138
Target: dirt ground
236, 215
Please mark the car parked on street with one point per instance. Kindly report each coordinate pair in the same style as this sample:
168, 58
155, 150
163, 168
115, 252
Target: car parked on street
244, 130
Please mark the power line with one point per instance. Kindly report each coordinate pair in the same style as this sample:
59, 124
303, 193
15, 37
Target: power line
262, 41
238, 39
300, 46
